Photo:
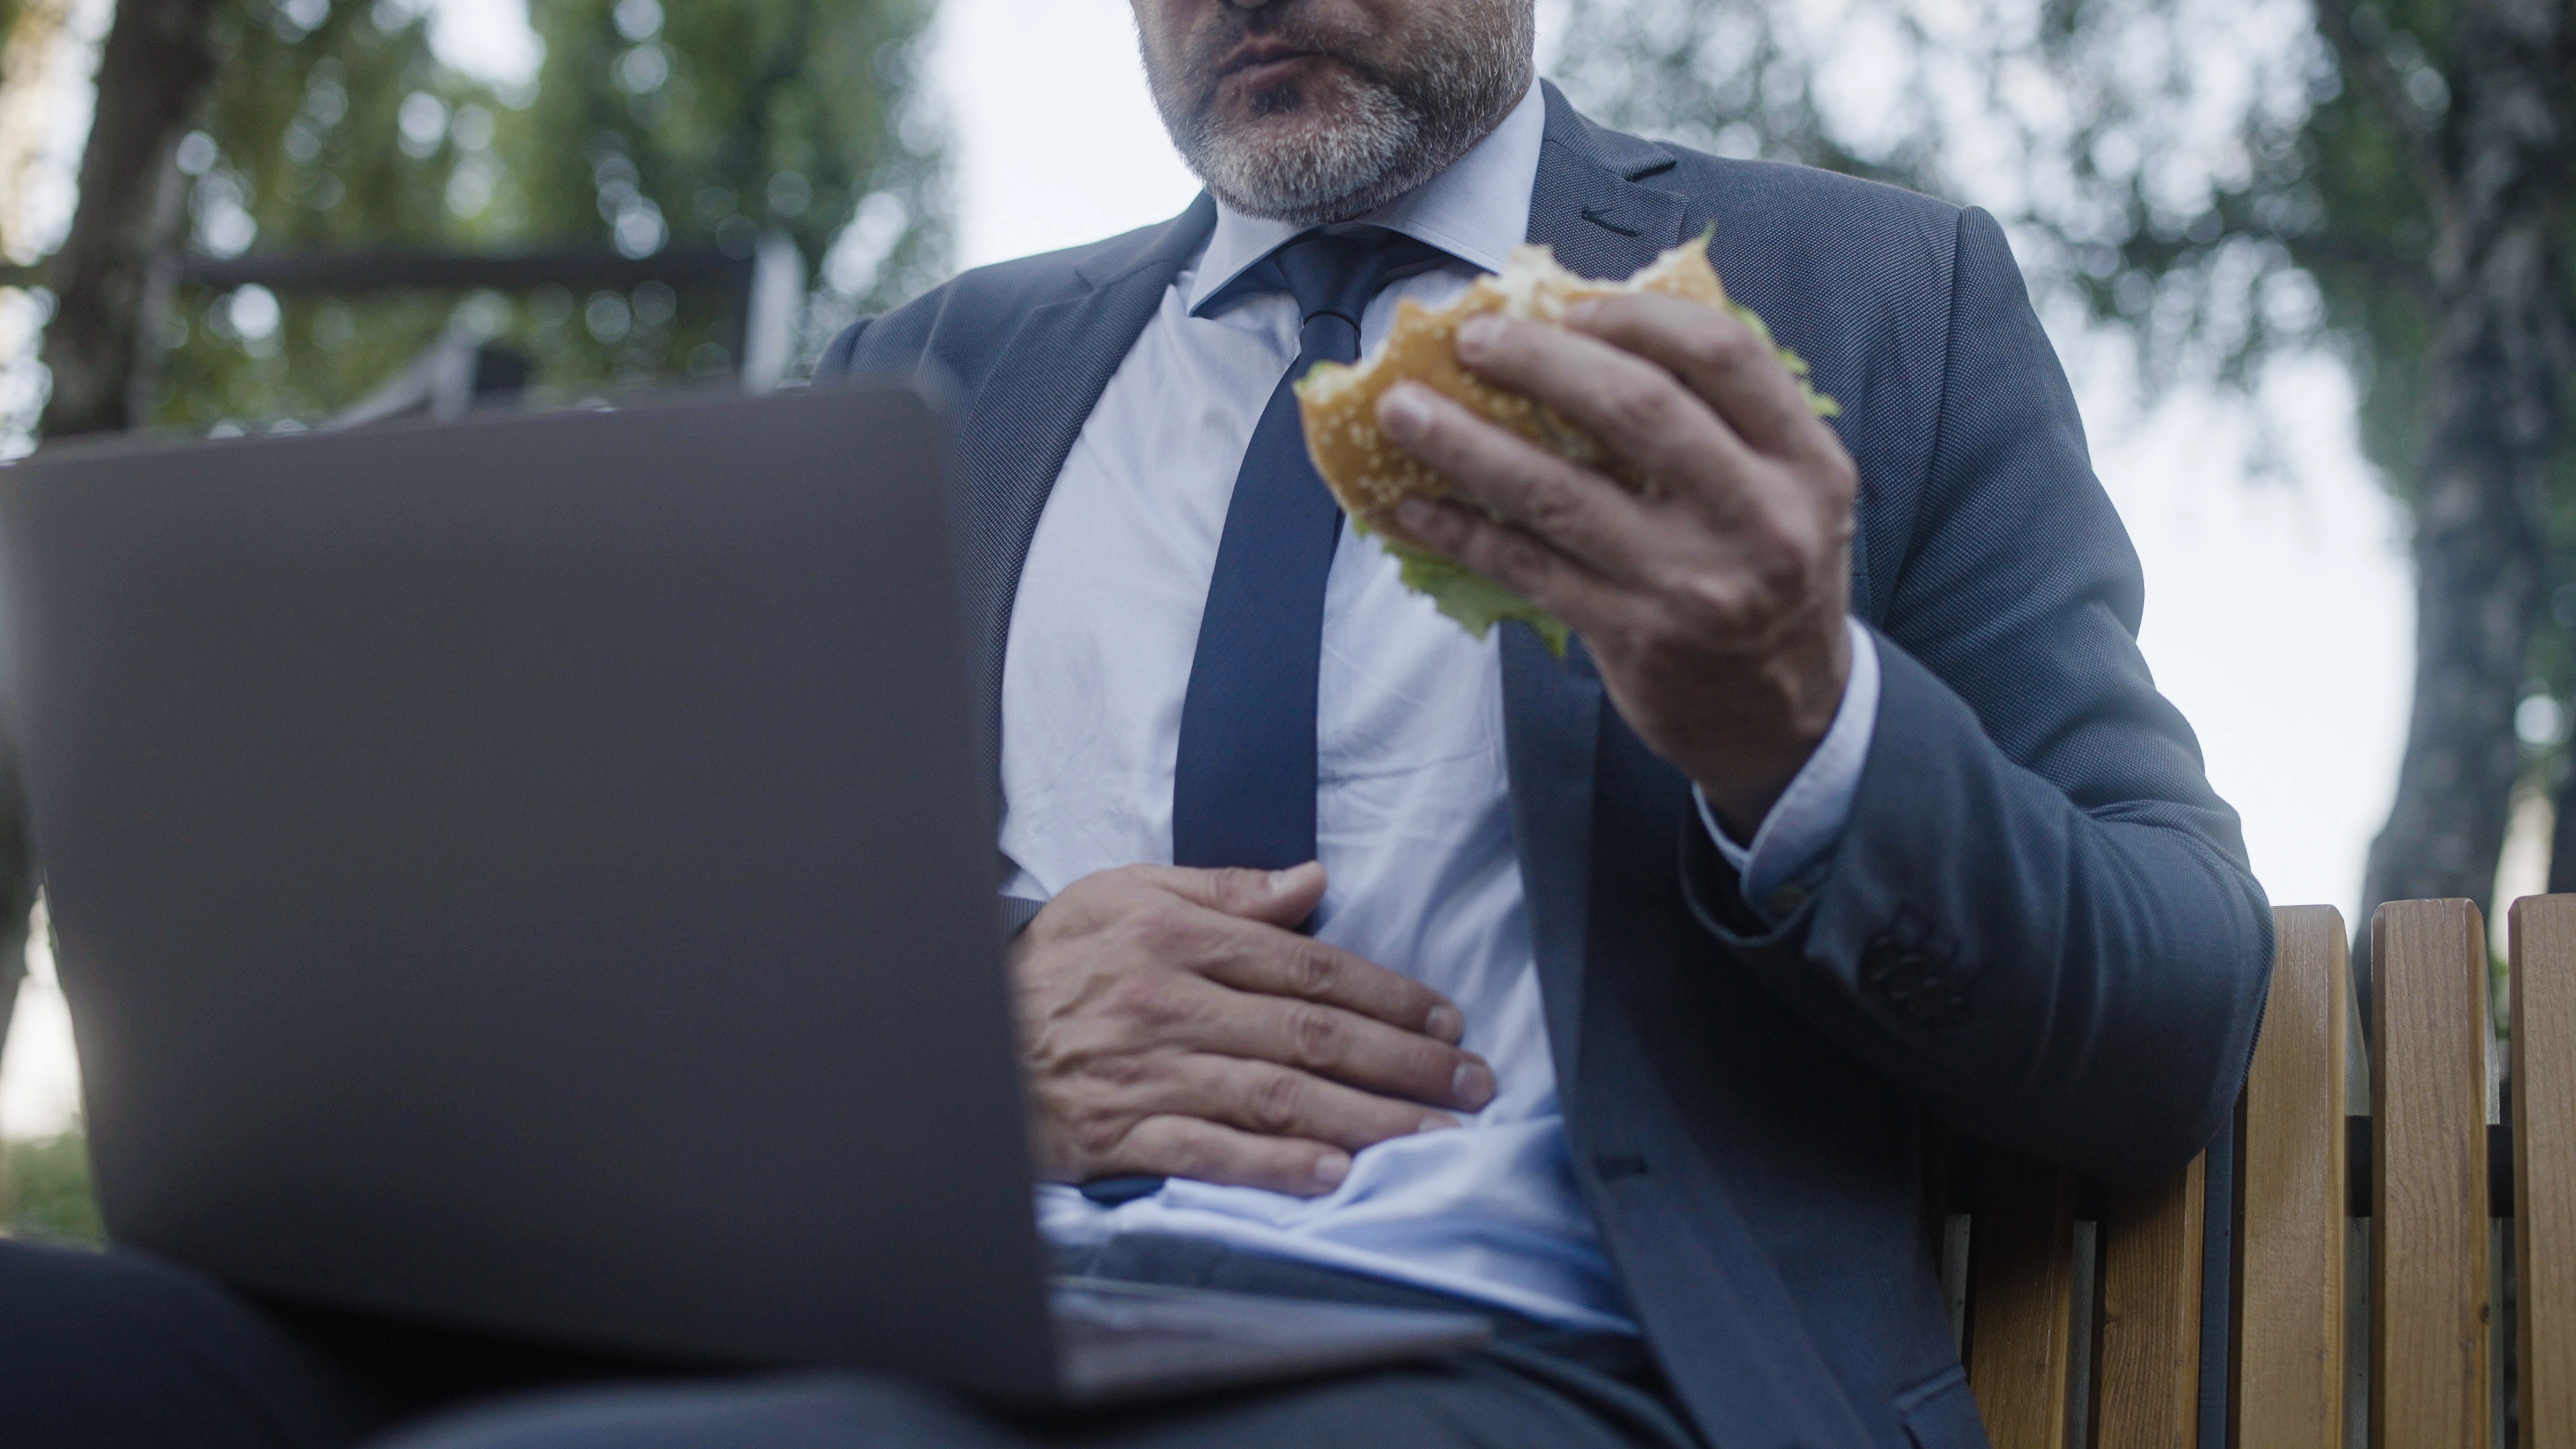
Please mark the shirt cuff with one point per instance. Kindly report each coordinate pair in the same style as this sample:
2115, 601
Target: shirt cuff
1809, 816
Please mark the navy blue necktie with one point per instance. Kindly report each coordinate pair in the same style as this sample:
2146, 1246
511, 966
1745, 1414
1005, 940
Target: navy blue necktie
1243, 789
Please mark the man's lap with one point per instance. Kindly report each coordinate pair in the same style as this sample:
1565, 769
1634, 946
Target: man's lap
1500, 1398
110, 1349
115, 1350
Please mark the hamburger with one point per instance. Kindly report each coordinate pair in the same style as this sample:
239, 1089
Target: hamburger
1369, 475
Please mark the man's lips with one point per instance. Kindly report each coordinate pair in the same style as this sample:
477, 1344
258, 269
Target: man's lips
1256, 63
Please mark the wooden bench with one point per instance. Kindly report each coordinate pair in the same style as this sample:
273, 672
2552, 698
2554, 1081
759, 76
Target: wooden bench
2336, 1269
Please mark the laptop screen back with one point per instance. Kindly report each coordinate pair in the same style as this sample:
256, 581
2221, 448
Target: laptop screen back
533, 873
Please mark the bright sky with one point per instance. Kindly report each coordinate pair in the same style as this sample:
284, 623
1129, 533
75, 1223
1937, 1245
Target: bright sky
2279, 614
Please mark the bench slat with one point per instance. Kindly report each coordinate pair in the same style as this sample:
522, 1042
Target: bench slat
2289, 1303
2543, 932
2146, 1391
2021, 1307
2428, 1190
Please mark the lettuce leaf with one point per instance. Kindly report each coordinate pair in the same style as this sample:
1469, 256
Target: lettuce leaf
1468, 596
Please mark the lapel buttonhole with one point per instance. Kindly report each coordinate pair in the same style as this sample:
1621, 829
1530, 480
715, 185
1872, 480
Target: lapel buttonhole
1600, 217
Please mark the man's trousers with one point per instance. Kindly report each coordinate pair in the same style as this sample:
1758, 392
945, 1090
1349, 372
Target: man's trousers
117, 1351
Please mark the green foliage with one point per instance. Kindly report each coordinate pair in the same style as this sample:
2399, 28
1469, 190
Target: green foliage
1475, 601
301, 147
334, 127
45, 1191
307, 125
718, 122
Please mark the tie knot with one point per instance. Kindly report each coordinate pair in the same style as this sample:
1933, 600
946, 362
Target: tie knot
1336, 273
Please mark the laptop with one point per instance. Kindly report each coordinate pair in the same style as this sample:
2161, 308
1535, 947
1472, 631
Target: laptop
534, 873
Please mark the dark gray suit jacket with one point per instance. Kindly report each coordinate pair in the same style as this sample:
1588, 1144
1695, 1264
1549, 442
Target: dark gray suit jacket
2039, 923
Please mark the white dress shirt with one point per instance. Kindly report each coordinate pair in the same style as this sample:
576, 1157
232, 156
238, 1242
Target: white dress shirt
1413, 812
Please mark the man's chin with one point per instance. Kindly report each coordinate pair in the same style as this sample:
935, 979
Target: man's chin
1283, 134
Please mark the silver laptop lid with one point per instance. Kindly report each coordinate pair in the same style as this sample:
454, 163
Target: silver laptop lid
533, 873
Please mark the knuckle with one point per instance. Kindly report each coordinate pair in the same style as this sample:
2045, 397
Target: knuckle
1440, 526
1642, 407
1277, 1104
1165, 1143
1315, 1036
1714, 601
1553, 508
1838, 479
1723, 345
1437, 431
1313, 969
1095, 1133
1522, 557
1236, 886
1780, 571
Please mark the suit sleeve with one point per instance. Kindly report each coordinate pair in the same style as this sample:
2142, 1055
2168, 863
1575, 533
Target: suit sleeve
834, 364
2039, 916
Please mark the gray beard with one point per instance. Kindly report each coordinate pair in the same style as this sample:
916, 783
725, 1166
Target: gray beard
1408, 129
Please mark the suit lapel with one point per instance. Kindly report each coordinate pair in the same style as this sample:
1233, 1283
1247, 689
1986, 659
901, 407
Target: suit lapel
1015, 430
1589, 206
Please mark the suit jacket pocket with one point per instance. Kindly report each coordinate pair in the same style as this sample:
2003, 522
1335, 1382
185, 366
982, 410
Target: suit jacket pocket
1940, 1413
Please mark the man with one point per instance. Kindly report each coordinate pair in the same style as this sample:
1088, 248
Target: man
1605, 995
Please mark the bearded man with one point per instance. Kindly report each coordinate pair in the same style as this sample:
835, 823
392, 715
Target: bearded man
1358, 958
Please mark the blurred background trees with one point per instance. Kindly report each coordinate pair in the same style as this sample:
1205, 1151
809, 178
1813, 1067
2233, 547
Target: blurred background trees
2219, 186
231, 128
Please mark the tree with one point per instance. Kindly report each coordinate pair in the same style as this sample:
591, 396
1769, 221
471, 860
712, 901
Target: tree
2220, 185
336, 128
226, 125
326, 128
149, 74
150, 70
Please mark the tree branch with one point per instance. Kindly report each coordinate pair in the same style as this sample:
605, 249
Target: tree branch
2366, 67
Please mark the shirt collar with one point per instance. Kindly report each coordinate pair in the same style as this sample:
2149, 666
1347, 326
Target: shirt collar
1476, 211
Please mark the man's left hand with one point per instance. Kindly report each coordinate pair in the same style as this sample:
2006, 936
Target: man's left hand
1714, 607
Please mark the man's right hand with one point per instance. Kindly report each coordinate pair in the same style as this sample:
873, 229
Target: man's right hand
1174, 1023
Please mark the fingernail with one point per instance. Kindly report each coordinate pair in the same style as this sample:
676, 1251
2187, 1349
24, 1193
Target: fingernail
1403, 414
1330, 1169
1445, 1022
1582, 313
1476, 334
1415, 515
1284, 881
1472, 1084
1438, 1122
